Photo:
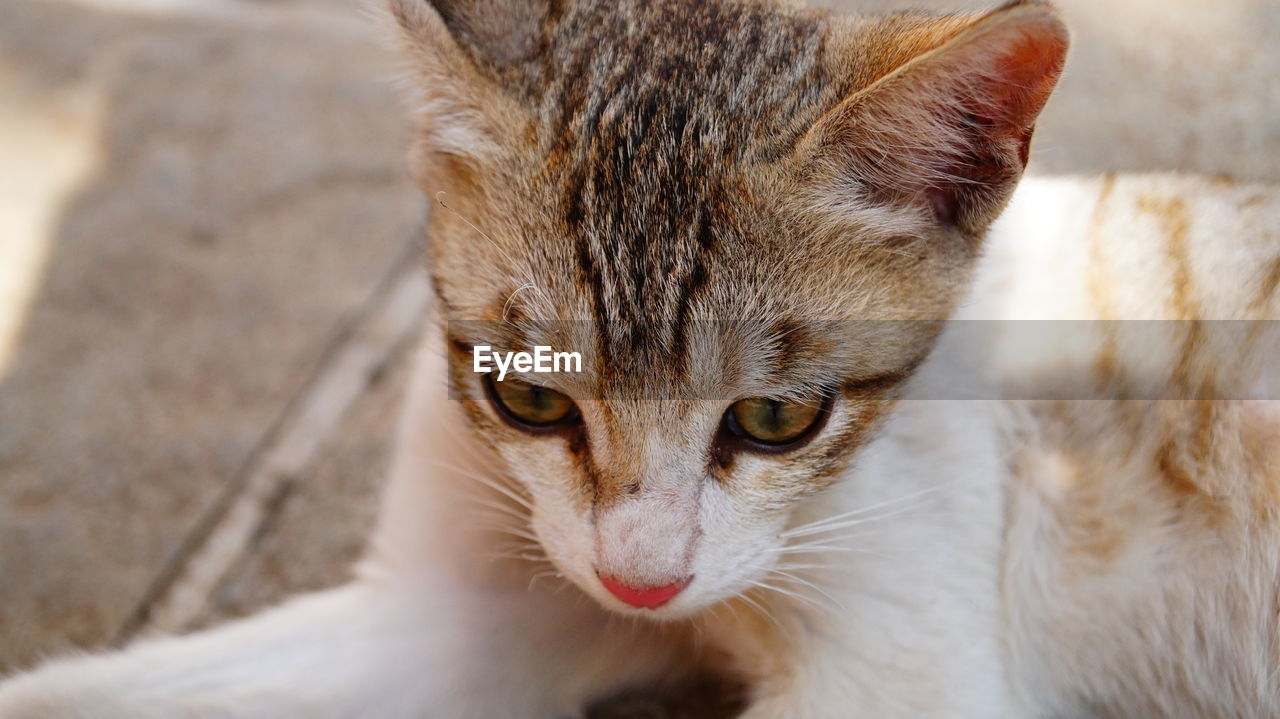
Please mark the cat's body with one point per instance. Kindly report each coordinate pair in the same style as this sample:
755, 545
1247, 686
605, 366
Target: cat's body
976, 535
1141, 547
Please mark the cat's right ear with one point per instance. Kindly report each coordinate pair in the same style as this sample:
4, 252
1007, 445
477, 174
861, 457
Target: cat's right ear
467, 60
947, 132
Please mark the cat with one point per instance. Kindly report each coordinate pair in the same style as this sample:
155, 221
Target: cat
867, 425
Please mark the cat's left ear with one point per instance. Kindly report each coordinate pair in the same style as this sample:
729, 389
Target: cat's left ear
470, 62
949, 131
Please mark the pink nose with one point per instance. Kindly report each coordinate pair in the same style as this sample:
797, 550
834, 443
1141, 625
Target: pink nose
644, 598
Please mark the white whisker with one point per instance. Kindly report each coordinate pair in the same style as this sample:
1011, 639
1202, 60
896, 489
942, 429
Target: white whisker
511, 262
823, 545
765, 613
504, 510
490, 482
785, 575
821, 524
533, 580
794, 595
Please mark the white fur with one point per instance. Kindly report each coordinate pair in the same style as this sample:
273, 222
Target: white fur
937, 596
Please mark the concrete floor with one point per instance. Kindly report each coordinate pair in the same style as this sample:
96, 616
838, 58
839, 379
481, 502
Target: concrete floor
208, 278
207, 209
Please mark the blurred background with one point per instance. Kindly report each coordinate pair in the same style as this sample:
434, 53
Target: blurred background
209, 277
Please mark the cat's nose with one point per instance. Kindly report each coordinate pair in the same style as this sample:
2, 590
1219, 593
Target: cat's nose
646, 597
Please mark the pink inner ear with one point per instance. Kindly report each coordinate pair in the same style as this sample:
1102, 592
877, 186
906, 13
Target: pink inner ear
1012, 88
1025, 75
952, 130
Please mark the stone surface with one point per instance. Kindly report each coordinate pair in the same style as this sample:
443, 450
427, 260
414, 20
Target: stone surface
318, 527
247, 192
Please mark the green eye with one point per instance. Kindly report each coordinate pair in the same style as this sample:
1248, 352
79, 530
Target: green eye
529, 404
773, 421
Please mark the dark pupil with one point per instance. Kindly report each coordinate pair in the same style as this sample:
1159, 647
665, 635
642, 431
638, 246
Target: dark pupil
534, 402
539, 400
770, 416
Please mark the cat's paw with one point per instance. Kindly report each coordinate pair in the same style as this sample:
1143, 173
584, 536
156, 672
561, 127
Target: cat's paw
84, 688
31, 697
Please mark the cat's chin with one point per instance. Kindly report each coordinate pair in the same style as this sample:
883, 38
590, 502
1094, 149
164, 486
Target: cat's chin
665, 613
686, 605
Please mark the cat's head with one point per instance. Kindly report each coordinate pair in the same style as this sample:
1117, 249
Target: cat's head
750, 220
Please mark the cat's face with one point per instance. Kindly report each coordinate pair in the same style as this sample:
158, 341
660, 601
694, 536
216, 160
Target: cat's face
728, 369
748, 221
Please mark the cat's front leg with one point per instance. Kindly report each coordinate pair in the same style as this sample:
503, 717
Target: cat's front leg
364, 650
322, 655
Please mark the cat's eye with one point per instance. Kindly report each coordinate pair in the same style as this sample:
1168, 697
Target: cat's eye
530, 405
774, 423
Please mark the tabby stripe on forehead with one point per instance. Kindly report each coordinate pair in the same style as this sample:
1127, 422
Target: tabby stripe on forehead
636, 166
590, 273
690, 286
693, 284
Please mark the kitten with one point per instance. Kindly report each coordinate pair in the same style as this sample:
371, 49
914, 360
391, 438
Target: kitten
773, 233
